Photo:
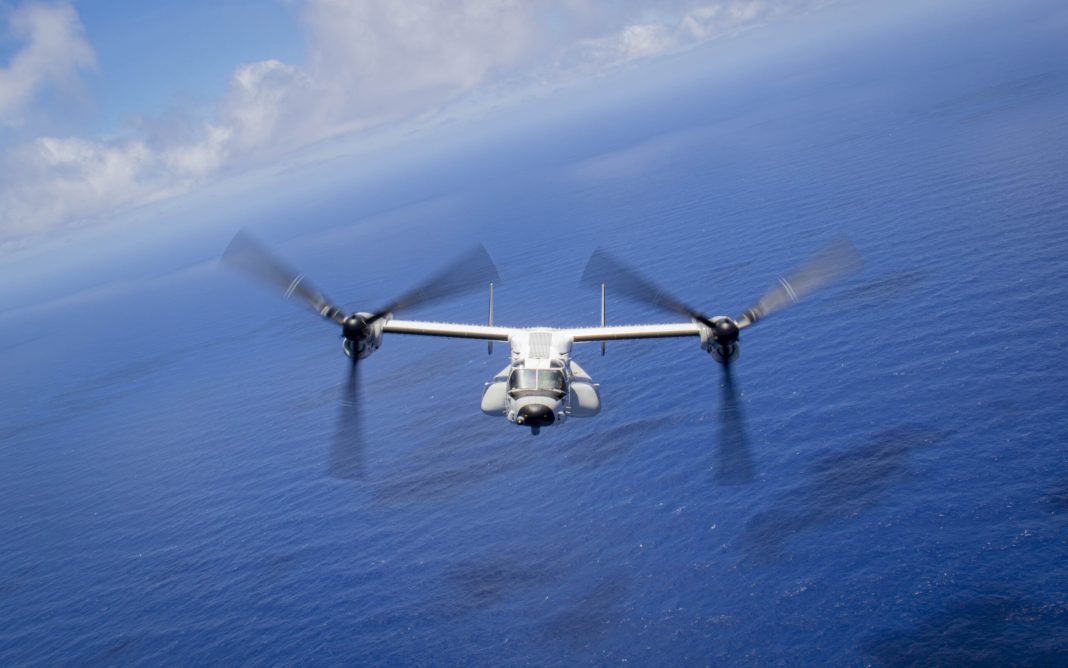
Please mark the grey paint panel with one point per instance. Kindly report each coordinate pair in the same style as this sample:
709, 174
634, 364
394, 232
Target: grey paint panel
494, 399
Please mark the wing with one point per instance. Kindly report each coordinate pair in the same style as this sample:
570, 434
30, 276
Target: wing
449, 329
577, 334
621, 332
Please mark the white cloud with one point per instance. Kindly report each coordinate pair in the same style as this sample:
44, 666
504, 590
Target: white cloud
387, 58
680, 25
367, 62
54, 180
644, 40
53, 51
262, 97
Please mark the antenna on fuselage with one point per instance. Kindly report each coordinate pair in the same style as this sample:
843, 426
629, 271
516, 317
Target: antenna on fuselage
602, 317
489, 343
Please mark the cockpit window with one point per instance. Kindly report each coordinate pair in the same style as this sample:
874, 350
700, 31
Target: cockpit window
537, 381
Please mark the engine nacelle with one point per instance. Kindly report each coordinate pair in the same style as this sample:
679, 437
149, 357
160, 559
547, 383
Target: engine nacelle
360, 338
724, 354
721, 340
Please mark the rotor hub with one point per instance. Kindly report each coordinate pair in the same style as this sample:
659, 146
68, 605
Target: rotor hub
355, 328
726, 332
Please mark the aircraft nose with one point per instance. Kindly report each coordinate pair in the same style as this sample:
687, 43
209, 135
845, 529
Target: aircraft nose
535, 415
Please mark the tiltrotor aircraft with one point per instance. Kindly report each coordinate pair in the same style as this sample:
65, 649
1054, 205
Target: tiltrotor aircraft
542, 385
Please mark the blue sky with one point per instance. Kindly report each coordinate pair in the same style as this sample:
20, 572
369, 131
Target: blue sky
106, 107
185, 52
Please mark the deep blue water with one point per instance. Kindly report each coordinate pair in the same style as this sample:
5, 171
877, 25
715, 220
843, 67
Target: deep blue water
166, 431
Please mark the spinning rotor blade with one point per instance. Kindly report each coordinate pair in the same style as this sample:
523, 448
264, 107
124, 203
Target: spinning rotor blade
734, 463
603, 267
346, 460
471, 271
734, 457
251, 257
826, 266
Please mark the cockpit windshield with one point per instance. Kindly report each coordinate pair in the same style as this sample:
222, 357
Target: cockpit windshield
536, 381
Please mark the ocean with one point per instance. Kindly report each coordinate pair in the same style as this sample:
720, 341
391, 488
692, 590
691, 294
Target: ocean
167, 425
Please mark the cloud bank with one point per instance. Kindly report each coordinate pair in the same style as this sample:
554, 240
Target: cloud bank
54, 51
367, 63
